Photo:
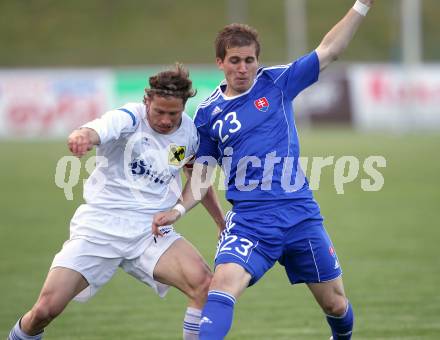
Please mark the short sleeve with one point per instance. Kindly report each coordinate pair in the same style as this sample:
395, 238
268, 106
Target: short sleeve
112, 124
299, 75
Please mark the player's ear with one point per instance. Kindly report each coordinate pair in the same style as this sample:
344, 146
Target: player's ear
219, 63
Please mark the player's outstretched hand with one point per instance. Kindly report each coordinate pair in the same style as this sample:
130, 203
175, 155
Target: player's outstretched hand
162, 219
80, 142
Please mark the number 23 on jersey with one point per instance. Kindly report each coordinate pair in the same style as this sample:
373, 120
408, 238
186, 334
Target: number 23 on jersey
226, 126
236, 245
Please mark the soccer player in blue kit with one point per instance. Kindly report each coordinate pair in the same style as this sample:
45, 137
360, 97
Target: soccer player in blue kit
247, 126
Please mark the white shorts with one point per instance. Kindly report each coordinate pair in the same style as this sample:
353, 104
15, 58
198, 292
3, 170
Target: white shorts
98, 259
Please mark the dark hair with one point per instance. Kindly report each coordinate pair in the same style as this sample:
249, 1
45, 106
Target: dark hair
173, 82
236, 35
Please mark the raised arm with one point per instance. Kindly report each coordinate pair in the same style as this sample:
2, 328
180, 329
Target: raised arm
108, 127
195, 190
338, 38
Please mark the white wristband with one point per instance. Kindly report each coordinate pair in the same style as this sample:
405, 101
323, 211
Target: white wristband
361, 8
180, 208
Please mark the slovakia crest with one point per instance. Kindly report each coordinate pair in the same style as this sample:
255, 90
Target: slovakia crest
262, 104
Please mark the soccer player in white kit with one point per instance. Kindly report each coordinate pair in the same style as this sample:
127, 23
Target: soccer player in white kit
141, 148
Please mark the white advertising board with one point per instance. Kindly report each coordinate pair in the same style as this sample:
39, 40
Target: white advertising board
395, 97
51, 103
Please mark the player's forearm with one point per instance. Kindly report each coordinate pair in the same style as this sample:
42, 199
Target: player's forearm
338, 38
192, 195
197, 185
212, 205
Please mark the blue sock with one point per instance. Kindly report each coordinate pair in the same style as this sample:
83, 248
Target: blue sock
17, 334
217, 316
342, 326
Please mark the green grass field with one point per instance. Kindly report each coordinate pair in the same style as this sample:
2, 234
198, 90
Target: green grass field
387, 242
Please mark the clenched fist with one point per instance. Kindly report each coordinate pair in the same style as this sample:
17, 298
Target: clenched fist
81, 141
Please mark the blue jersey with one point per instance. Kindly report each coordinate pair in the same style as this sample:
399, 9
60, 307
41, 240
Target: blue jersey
253, 135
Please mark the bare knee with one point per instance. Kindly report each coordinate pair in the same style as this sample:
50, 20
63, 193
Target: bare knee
335, 305
199, 287
330, 296
45, 310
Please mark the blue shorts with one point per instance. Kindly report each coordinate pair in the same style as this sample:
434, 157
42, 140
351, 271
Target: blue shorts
288, 231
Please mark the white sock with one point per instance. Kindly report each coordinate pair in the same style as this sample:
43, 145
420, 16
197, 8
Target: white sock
17, 334
191, 324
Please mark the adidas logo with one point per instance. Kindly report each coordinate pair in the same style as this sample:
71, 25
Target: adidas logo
205, 320
217, 110
336, 264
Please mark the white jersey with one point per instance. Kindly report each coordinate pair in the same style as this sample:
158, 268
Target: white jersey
137, 169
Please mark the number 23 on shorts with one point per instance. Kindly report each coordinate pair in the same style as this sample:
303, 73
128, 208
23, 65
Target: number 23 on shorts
236, 246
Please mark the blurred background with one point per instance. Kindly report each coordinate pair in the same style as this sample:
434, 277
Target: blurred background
63, 63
